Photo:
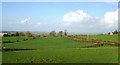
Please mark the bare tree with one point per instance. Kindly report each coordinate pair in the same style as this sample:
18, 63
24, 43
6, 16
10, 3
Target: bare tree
28, 35
21, 34
52, 33
60, 33
65, 33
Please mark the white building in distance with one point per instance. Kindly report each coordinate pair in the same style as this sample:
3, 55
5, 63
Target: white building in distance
1, 34
111, 33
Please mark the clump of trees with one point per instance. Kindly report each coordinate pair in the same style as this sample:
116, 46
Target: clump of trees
21, 34
52, 34
17, 34
14, 34
114, 32
65, 33
59, 34
28, 35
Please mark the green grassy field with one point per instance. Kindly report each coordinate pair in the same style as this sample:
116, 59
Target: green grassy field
113, 38
13, 39
58, 50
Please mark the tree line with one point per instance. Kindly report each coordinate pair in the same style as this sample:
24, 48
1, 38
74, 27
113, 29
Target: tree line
59, 34
29, 34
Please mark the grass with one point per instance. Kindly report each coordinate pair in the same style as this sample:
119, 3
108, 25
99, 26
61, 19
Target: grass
47, 43
13, 39
71, 55
113, 38
58, 50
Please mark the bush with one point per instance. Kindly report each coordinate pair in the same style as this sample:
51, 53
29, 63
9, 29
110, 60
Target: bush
25, 39
16, 34
8, 41
18, 41
33, 38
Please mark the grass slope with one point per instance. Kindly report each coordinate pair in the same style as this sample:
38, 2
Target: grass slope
113, 38
59, 50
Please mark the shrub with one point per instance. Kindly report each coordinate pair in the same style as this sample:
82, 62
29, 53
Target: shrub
8, 41
25, 39
33, 38
18, 41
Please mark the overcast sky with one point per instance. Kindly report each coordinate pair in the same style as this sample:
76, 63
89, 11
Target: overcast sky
76, 17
